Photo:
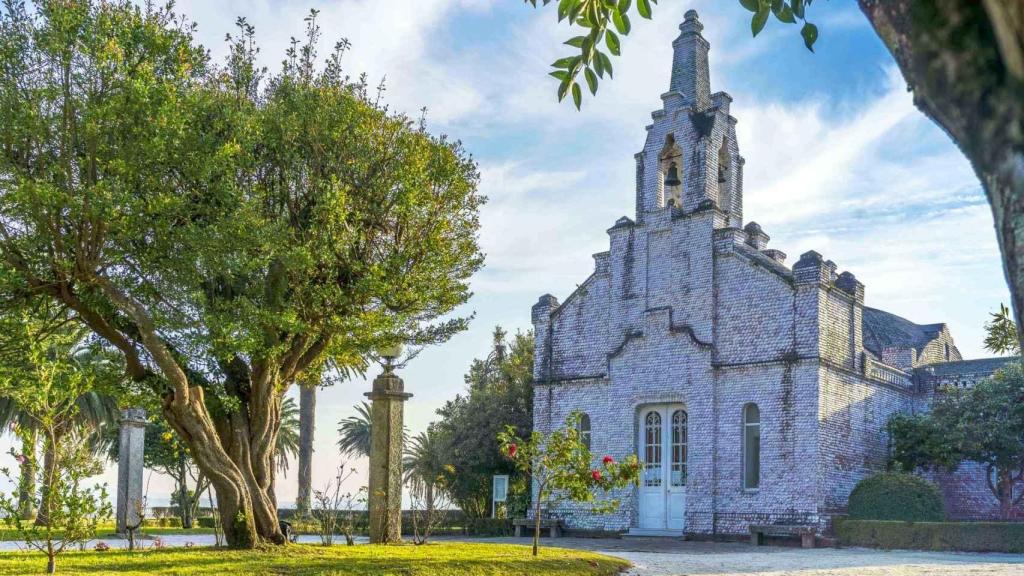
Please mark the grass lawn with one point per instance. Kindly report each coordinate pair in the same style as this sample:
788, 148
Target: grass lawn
108, 532
442, 559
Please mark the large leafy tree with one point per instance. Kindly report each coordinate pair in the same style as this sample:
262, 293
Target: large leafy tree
962, 59
499, 393
224, 229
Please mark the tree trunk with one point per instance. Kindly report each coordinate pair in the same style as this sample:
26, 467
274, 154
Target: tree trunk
27, 480
964, 62
237, 461
307, 426
184, 498
49, 470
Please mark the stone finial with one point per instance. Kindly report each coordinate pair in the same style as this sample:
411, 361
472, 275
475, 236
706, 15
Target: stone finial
777, 255
691, 23
848, 283
812, 269
756, 236
541, 311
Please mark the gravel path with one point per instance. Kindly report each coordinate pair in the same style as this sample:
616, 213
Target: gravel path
670, 557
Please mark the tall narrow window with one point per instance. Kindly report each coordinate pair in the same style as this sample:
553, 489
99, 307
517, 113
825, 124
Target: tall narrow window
584, 429
652, 449
679, 448
751, 447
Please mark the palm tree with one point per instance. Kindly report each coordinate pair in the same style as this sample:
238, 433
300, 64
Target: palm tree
288, 435
423, 465
307, 428
354, 432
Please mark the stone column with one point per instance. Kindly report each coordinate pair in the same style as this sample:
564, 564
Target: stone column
129, 467
385, 497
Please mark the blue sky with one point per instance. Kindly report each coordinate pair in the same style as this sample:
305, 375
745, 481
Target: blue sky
837, 158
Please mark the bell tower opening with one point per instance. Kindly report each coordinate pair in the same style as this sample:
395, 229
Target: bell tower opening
670, 172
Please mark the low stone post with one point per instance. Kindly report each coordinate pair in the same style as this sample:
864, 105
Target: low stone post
129, 467
386, 436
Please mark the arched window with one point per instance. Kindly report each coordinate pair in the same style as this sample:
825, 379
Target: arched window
584, 430
679, 448
751, 447
652, 449
724, 167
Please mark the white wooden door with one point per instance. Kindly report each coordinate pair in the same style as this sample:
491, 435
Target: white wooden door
663, 449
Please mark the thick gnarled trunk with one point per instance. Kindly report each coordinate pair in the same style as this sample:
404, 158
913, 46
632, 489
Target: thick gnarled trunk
964, 62
235, 461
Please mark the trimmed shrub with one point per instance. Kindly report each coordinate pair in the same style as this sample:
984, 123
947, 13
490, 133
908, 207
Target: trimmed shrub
896, 496
960, 536
206, 522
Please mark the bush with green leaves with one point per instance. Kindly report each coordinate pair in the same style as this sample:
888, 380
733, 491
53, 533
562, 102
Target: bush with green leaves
896, 496
560, 465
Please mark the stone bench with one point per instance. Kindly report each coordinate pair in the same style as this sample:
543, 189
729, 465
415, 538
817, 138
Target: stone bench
554, 525
807, 534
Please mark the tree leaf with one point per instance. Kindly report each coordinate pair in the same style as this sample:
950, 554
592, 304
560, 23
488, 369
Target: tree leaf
599, 66
577, 95
621, 22
798, 8
643, 7
606, 63
563, 88
576, 42
559, 75
624, 5
810, 34
591, 79
784, 14
566, 62
751, 5
613, 42
760, 18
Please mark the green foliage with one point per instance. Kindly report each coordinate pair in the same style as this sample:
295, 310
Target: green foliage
499, 393
896, 496
224, 228
561, 467
983, 424
1001, 333
287, 435
354, 432
439, 559
959, 536
605, 20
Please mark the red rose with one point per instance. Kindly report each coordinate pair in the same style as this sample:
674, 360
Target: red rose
597, 475
511, 450
608, 460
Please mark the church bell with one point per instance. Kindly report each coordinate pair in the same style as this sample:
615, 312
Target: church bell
672, 177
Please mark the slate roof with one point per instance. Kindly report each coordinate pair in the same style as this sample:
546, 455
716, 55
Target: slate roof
884, 330
979, 366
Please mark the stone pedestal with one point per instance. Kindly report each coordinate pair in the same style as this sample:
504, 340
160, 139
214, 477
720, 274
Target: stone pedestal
385, 497
129, 467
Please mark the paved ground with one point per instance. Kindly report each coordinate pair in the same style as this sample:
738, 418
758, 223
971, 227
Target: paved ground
670, 557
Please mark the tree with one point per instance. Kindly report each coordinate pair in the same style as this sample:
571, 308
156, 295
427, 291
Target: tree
354, 432
962, 59
424, 466
224, 229
47, 386
983, 424
307, 429
499, 393
1001, 333
560, 465
288, 435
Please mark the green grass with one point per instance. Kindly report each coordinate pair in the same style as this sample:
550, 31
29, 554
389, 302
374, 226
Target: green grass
442, 559
108, 532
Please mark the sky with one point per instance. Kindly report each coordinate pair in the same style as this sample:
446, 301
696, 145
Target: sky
838, 160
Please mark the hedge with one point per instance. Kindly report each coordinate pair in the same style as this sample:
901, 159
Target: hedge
960, 536
896, 496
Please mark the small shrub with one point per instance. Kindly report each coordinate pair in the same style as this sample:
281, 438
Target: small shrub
959, 536
896, 496
207, 522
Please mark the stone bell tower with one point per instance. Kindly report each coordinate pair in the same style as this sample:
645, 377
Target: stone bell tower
690, 160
